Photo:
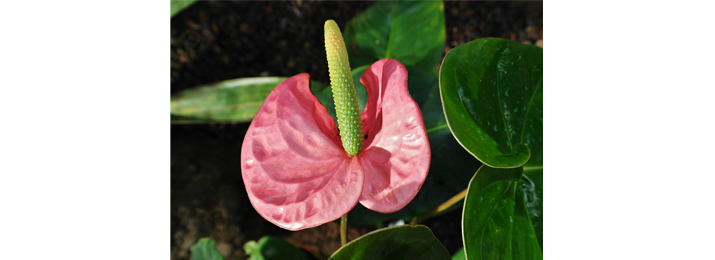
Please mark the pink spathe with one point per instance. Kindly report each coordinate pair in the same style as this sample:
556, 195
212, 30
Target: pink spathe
297, 173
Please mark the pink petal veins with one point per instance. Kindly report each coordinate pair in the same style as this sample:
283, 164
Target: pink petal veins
296, 172
396, 155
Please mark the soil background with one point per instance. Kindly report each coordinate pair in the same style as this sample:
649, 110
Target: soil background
213, 41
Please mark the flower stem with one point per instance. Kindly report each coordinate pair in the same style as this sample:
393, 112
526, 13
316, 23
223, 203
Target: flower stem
344, 229
341, 78
440, 208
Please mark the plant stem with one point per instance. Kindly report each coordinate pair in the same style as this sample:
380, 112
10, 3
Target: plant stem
440, 208
344, 229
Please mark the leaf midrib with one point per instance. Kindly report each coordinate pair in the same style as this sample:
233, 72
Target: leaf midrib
528, 107
491, 211
499, 102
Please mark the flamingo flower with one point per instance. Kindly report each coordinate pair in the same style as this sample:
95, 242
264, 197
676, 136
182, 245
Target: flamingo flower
301, 171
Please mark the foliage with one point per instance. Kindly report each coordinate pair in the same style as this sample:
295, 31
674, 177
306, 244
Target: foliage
491, 90
271, 248
400, 242
459, 255
235, 100
205, 249
495, 221
179, 5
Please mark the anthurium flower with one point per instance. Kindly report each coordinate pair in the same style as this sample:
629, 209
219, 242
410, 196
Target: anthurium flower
297, 173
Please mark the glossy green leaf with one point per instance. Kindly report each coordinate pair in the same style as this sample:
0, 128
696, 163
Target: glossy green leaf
496, 84
534, 199
271, 248
495, 219
533, 170
459, 255
205, 249
230, 101
410, 32
400, 242
179, 5
492, 94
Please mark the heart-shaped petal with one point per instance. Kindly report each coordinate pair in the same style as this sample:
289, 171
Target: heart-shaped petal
296, 172
396, 154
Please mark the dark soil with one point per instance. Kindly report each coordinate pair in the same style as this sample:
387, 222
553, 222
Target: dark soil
220, 40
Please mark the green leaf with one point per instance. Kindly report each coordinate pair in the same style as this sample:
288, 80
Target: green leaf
230, 101
235, 100
205, 249
411, 32
406, 31
179, 5
492, 94
534, 198
459, 255
270, 248
495, 219
400, 242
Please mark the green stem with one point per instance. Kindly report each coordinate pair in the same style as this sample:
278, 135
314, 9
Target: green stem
344, 229
440, 208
